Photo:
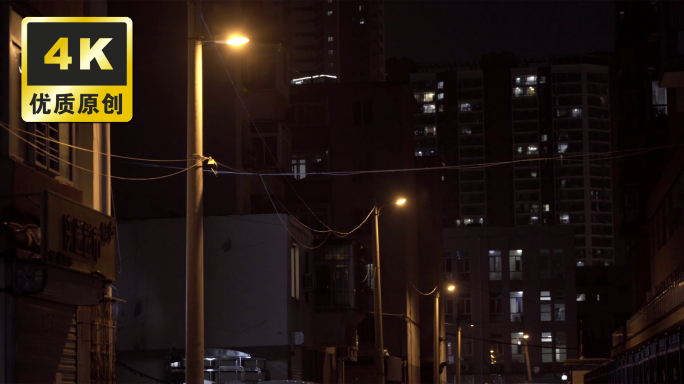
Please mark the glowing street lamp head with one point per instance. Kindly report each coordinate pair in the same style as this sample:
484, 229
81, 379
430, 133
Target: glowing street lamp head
237, 40
451, 287
526, 336
401, 201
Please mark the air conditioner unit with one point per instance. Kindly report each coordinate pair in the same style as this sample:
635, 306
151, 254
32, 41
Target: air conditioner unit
309, 281
465, 368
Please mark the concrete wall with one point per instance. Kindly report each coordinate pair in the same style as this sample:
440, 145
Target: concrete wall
246, 282
247, 290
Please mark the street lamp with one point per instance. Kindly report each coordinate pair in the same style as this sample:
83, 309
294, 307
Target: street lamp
527, 356
436, 353
194, 275
377, 298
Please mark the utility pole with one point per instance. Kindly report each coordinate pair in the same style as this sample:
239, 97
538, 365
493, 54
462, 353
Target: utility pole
458, 354
527, 358
377, 306
194, 278
436, 342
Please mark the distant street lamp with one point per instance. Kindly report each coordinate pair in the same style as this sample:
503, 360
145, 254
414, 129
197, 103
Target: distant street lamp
436, 353
377, 298
194, 278
527, 356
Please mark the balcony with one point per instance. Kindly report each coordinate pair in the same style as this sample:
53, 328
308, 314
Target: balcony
658, 315
342, 278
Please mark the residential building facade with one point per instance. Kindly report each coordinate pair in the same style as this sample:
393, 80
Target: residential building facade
522, 114
57, 238
646, 346
511, 281
526, 143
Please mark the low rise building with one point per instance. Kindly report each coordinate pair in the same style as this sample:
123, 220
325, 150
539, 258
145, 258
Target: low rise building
511, 281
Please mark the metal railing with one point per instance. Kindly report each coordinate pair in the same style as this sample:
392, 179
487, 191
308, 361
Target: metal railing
669, 299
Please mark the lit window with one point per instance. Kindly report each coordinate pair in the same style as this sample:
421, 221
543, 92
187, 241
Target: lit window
330, 39
440, 85
598, 297
518, 80
516, 302
517, 92
530, 91
466, 130
531, 80
515, 264
659, 99
419, 153
545, 305
544, 137
559, 306
564, 218
534, 220
299, 168
546, 207
361, 7
428, 108
457, 222
480, 220
330, 51
442, 178
467, 221
580, 263
440, 96
362, 21
441, 108
542, 79
547, 347
494, 263
581, 297
517, 351
533, 174
465, 107
532, 150
576, 112
424, 97
562, 147
330, 13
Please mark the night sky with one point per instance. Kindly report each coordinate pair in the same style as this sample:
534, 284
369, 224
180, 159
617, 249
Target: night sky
429, 31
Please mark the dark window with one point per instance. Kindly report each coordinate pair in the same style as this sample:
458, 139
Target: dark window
363, 163
363, 113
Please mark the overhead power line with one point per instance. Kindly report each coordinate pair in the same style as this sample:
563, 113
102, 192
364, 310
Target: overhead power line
57, 158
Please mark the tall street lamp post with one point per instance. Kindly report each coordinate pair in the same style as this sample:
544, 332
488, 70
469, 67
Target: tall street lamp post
194, 277
437, 353
377, 299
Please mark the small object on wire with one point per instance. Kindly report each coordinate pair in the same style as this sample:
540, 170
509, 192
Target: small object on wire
211, 162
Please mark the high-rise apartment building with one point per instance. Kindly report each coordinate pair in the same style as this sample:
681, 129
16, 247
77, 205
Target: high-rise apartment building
547, 127
337, 40
528, 145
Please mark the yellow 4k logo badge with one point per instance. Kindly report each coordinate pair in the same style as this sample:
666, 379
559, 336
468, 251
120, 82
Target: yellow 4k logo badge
77, 69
